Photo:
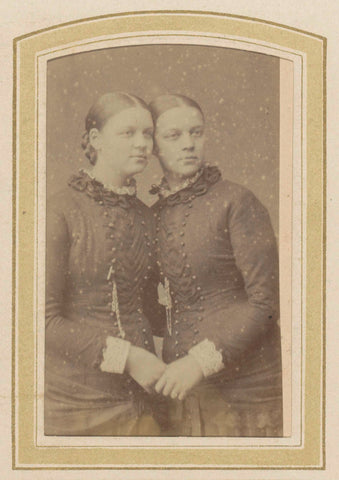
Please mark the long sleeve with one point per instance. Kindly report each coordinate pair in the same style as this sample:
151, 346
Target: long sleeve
74, 341
254, 248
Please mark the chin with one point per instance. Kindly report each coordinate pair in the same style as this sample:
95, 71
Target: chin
189, 170
138, 168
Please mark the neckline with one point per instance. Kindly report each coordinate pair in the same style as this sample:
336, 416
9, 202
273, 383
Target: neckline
165, 190
208, 176
124, 190
99, 192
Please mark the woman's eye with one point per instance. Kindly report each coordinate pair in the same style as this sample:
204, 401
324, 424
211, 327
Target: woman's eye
127, 133
172, 136
197, 133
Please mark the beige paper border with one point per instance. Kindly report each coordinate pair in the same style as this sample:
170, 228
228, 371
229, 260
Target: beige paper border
313, 46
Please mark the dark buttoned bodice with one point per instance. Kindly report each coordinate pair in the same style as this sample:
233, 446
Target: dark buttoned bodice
97, 238
99, 257
217, 250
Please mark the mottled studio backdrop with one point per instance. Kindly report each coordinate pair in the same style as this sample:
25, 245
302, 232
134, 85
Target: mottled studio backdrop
238, 92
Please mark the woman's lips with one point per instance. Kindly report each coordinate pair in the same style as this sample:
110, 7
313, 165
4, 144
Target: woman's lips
139, 157
190, 159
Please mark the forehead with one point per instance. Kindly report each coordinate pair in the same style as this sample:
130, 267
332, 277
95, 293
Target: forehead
180, 117
133, 116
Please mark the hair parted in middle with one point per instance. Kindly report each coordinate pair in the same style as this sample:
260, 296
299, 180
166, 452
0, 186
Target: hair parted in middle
161, 104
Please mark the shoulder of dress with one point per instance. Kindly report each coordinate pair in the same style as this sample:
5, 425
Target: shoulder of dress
232, 191
63, 199
240, 200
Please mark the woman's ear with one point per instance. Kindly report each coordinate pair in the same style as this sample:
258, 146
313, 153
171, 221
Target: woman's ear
95, 138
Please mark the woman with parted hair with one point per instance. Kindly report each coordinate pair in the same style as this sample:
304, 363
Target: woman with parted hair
100, 362
218, 264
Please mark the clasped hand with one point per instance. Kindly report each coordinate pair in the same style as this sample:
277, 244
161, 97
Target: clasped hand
179, 377
175, 379
144, 367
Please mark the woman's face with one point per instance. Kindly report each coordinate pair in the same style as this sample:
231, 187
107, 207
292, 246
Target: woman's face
179, 139
125, 142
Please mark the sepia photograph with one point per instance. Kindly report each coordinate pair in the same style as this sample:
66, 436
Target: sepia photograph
162, 267
169, 276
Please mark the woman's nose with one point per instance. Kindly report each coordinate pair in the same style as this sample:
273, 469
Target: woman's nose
140, 140
187, 141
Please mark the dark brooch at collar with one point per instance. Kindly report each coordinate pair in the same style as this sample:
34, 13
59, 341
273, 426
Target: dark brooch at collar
98, 192
209, 176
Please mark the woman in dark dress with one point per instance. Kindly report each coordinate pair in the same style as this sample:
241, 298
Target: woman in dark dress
218, 264
100, 361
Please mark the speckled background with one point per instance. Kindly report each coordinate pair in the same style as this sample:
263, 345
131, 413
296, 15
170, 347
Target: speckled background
237, 90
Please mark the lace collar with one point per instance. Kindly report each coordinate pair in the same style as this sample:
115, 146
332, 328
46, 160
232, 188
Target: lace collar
85, 182
130, 189
165, 191
196, 185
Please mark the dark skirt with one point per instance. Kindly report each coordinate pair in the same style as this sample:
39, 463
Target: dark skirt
250, 406
74, 409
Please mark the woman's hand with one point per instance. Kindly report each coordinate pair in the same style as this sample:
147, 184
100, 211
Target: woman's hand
144, 367
179, 377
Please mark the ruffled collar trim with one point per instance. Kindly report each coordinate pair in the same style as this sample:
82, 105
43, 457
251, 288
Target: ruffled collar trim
130, 189
165, 190
194, 186
108, 194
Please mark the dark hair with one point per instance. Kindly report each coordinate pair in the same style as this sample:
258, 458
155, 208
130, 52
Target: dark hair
102, 110
165, 102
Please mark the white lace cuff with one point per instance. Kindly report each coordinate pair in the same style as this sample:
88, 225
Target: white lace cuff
115, 355
208, 357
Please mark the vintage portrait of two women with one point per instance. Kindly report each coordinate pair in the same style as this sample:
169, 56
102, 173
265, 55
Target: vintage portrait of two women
168, 320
